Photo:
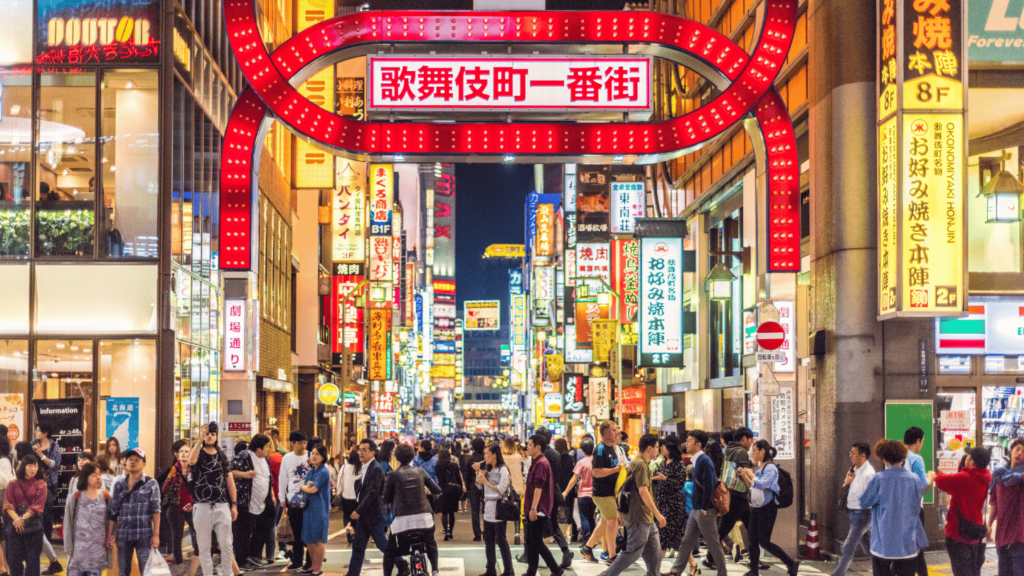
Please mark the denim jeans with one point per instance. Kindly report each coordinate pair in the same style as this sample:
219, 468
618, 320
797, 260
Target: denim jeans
363, 532
965, 559
587, 522
860, 525
125, 548
177, 521
1011, 560
23, 552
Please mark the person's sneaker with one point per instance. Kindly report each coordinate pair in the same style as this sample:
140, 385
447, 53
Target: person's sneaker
566, 560
254, 560
607, 559
793, 569
54, 568
249, 566
522, 559
588, 553
293, 566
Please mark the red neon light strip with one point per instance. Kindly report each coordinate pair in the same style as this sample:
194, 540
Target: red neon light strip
943, 343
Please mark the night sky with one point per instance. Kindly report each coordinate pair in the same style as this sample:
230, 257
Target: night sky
489, 210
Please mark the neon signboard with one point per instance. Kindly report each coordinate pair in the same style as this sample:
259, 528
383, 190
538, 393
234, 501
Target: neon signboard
72, 32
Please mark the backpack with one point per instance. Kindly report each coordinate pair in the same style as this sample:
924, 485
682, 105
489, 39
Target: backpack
785, 495
625, 494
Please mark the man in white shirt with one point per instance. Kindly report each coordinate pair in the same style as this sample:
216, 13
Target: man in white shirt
860, 518
294, 466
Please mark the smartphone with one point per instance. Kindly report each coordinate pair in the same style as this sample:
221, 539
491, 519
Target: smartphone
213, 428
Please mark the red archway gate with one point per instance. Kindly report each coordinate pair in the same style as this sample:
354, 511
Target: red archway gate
744, 81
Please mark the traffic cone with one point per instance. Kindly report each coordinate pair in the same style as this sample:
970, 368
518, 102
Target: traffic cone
811, 551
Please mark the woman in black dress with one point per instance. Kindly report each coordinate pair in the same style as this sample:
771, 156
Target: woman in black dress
449, 478
671, 479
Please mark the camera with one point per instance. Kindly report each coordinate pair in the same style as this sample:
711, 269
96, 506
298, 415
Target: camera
213, 428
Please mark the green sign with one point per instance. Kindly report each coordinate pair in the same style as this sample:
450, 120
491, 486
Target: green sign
995, 31
901, 415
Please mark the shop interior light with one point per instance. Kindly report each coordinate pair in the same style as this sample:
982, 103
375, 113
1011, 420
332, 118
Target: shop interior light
129, 85
1002, 195
719, 282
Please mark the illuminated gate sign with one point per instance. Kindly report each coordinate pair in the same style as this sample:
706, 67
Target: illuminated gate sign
661, 302
509, 83
743, 79
921, 157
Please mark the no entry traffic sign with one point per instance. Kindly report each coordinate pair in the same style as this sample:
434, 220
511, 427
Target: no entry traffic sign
770, 335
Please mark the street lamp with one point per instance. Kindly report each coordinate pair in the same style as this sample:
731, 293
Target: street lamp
1002, 195
719, 282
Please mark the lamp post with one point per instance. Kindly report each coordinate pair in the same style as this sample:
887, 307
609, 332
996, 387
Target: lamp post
1002, 196
718, 282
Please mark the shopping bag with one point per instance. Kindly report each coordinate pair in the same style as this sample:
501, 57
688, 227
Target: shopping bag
156, 566
284, 529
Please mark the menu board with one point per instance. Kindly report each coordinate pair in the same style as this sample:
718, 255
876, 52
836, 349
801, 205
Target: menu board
66, 417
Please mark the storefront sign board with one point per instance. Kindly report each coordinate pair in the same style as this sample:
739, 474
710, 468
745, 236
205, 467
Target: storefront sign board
625, 271
122, 415
544, 243
996, 31
235, 335
661, 298
348, 212
382, 198
783, 424
627, 205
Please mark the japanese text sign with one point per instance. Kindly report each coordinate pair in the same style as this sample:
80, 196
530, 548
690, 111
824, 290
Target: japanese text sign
544, 243
482, 315
588, 309
544, 283
627, 206
661, 302
600, 396
932, 54
787, 320
92, 32
382, 198
234, 335
346, 318
509, 83
381, 259
518, 322
626, 277
593, 260
574, 397
592, 203
379, 350
348, 212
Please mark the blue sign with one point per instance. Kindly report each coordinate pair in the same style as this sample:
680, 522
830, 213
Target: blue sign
123, 421
515, 281
419, 312
446, 347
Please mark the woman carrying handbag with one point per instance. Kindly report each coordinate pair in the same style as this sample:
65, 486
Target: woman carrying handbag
496, 479
23, 505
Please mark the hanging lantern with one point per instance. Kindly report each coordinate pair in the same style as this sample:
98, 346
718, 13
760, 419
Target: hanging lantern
1002, 195
719, 282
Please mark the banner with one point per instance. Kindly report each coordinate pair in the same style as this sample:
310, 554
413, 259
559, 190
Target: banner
600, 396
604, 334
348, 212
379, 352
66, 415
661, 298
123, 421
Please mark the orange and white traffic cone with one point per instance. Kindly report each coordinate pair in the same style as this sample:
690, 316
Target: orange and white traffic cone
811, 551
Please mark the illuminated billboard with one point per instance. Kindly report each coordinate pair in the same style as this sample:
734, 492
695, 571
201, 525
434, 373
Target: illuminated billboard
482, 314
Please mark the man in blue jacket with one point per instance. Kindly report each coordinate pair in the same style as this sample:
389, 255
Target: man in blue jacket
370, 513
703, 519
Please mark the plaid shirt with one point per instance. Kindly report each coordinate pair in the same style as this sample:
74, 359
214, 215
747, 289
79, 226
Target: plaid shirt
134, 509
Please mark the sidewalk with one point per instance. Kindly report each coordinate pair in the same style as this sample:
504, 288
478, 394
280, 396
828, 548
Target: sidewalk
938, 564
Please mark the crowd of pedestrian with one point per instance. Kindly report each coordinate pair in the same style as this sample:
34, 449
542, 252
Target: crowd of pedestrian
664, 496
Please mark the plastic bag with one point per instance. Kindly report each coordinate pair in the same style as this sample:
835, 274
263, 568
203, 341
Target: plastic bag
156, 566
284, 529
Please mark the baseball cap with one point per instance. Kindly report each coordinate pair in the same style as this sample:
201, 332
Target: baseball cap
134, 452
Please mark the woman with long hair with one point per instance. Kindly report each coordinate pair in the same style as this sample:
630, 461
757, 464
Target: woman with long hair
113, 452
671, 479
566, 463
405, 491
316, 517
386, 456
85, 516
23, 506
449, 478
514, 463
495, 480
178, 499
764, 510
351, 471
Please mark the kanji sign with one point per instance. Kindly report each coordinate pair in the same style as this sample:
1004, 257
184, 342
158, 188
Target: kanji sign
348, 212
93, 32
545, 241
379, 351
626, 277
234, 335
661, 302
588, 309
627, 206
346, 318
593, 260
787, 313
381, 259
482, 314
592, 203
509, 83
382, 198
574, 397
921, 158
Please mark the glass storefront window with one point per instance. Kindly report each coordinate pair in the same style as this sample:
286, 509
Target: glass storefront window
14, 301
130, 164
1002, 419
64, 369
16, 41
127, 370
95, 298
999, 364
15, 152
65, 174
951, 364
14, 388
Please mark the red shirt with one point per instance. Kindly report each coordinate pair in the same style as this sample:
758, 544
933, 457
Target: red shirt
540, 477
1009, 504
968, 488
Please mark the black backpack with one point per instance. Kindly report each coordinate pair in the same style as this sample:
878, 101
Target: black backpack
625, 494
785, 488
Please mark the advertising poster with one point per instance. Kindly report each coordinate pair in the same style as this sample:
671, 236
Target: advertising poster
95, 32
123, 421
66, 415
553, 404
592, 203
783, 427
12, 415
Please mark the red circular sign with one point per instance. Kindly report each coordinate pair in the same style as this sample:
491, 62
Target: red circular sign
770, 335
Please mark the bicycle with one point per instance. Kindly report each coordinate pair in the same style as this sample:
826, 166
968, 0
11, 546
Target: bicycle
418, 560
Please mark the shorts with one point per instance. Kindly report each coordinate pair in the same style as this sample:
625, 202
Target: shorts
606, 506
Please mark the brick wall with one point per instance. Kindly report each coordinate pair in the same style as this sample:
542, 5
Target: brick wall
275, 351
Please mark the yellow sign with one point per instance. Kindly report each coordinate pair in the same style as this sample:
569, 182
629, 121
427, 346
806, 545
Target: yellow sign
328, 394
555, 364
442, 371
505, 251
545, 239
888, 215
604, 332
311, 12
313, 167
932, 214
